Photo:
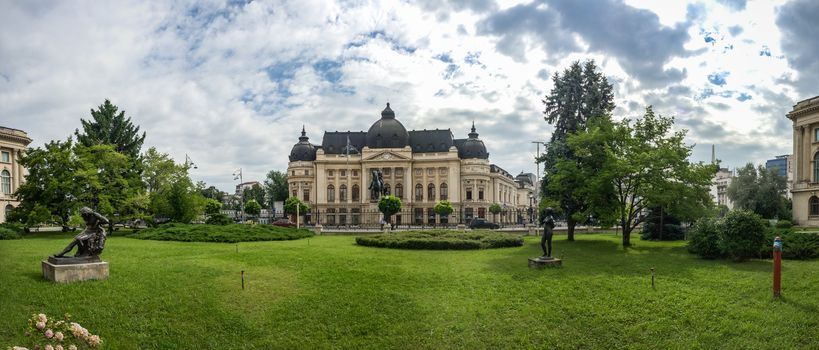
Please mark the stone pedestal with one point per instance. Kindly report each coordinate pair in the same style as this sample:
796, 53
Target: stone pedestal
317, 229
75, 272
461, 227
541, 262
532, 230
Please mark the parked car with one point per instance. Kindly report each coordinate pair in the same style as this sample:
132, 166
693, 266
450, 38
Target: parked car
284, 223
482, 223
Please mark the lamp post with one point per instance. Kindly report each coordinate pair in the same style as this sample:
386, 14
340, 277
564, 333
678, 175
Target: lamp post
537, 181
189, 163
237, 175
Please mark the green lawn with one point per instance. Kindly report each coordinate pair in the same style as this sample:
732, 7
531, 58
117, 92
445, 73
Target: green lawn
327, 292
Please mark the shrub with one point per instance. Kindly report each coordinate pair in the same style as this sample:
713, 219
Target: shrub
796, 245
6, 233
784, 224
214, 233
671, 232
703, 238
441, 240
741, 234
219, 219
14, 226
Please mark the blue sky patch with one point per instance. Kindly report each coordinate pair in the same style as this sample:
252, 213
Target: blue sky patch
718, 78
766, 51
329, 70
743, 97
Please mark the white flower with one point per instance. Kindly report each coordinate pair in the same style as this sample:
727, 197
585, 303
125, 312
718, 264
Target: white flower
42, 318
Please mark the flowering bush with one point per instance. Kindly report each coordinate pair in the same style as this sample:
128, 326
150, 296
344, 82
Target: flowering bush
51, 334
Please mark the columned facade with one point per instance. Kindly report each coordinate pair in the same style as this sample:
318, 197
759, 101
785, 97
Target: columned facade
805, 117
421, 167
13, 145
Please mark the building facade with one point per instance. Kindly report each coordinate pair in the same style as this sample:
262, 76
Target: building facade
782, 165
805, 165
719, 187
421, 167
13, 144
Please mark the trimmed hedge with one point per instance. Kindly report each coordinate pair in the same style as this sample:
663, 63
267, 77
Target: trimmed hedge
6, 233
219, 219
441, 240
796, 245
220, 233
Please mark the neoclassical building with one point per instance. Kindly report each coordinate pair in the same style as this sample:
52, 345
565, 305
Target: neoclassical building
805, 118
13, 143
421, 167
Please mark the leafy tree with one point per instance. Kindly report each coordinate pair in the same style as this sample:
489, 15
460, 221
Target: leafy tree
444, 208
256, 193
644, 165
104, 183
38, 215
211, 191
292, 203
389, 205
253, 207
159, 170
495, 209
212, 206
50, 182
760, 191
179, 201
276, 186
580, 96
107, 127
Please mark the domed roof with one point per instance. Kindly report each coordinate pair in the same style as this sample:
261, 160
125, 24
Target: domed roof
473, 147
303, 151
387, 132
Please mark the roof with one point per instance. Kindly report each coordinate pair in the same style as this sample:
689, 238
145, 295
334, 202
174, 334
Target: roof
425, 141
334, 142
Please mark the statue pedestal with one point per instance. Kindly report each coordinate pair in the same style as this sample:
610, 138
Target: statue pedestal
541, 262
461, 227
75, 272
532, 230
317, 229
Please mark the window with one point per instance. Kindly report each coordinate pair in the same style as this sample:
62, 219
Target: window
430, 171
293, 172
343, 173
431, 215
307, 172
442, 171
480, 194
814, 206
816, 167
306, 193
386, 171
331, 216
419, 216
355, 173
468, 215
294, 194
342, 216
444, 192
331, 194
419, 192
356, 194
342, 193
5, 180
469, 194
816, 134
9, 208
482, 213
6, 157
399, 172
330, 173
399, 191
431, 192
355, 216
418, 172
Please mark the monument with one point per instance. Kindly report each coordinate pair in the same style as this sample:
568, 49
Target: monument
546, 260
86, 263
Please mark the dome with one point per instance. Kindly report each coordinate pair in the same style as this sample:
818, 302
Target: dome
303, 151
387, 132
473, 147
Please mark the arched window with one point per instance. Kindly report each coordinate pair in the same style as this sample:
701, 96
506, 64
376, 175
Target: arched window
816, 167
814, 205
342, 193
331, 193
356, 194
444, 192
9, 208
419, 192
5, 180
399, 191
431, 192
387, 189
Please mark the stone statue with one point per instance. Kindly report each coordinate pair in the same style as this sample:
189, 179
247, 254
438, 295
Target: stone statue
90, 241
548, 228
376, 185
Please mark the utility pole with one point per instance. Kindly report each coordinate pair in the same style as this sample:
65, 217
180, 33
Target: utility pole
237, 175
537, 183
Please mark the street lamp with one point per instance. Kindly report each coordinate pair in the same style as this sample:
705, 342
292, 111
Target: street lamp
537, 181
237, 175
189, 163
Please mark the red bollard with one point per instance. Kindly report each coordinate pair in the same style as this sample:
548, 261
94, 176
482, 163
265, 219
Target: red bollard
777, 267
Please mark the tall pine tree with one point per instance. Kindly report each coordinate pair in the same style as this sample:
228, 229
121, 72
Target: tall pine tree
579, 95
107, 127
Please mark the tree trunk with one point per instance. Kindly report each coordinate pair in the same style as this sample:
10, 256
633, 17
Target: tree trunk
626, 237
570, 223
661, 223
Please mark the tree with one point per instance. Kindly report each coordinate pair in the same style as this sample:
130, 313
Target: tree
109, 128
104, 183
256, 193
159, 170
495, 209
253, 207
444, 208
276, 186
579, 96
292, 203
645, 164
212, 206
211, 191
389, 205
50, 182
179, 201
761, 191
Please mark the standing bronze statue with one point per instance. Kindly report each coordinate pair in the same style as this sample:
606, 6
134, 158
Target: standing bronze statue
548, 231
91, 241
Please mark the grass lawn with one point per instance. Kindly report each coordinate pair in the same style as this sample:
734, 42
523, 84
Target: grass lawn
327, 292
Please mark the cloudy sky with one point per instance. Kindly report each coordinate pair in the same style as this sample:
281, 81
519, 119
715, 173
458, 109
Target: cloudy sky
231, 83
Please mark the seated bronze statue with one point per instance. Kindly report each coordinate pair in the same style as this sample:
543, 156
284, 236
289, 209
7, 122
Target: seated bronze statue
90, 241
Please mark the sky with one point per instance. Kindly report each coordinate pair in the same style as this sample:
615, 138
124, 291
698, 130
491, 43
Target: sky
230, 84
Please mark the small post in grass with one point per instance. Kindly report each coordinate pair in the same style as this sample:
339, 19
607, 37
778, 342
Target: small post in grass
243, 279
652, 278
777, 267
